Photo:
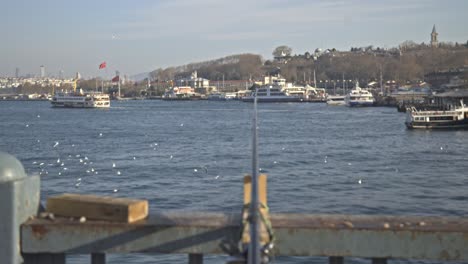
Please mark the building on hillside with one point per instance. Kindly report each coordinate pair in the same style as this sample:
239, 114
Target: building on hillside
193, 81
230, 86
448, 79
451, 99
42, 71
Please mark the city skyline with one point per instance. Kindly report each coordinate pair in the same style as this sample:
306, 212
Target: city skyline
137, 37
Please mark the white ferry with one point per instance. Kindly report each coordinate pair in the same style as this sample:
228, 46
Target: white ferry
80, 99
450, 119
359, 97
271, 94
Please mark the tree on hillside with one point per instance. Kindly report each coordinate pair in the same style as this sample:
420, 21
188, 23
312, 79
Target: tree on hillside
408, 44
282, 51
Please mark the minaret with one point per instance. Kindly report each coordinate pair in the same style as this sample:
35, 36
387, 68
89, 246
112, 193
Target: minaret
434, 41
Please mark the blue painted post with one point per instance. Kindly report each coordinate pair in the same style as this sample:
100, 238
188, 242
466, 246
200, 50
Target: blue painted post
19, 200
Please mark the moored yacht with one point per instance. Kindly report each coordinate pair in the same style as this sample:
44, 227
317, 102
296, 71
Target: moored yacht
359, 97
336, 100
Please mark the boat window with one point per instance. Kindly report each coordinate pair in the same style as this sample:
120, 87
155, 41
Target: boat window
440, 118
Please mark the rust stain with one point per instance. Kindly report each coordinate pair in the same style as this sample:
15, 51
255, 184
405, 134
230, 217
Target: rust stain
39, 231
444, 255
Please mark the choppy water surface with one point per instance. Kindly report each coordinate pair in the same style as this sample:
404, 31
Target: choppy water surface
193, 155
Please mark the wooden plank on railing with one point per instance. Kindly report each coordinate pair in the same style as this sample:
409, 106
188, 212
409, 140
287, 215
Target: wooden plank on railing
98, 207
262, 197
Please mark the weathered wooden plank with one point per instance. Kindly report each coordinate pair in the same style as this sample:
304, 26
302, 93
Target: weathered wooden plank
262, 197
262, 189
98, 207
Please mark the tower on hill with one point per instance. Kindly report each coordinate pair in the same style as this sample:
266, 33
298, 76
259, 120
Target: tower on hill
434, 41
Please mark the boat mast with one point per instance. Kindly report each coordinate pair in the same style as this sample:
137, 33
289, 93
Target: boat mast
118, 77
381, 81
315, 80
344, 87
119, 85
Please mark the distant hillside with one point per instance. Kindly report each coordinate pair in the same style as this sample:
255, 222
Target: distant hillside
408, 62
139, 77
234, 67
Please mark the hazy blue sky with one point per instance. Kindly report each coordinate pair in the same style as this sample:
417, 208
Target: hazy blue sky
136, 36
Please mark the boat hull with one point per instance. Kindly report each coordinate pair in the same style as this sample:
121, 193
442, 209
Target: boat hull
459, 124
359, 104
336, 100
336, 103
77, 105
270, 99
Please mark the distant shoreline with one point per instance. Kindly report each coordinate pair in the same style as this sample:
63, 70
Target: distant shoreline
11, 99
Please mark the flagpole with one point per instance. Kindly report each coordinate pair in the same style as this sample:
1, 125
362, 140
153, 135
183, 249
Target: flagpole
102, 66
118, 79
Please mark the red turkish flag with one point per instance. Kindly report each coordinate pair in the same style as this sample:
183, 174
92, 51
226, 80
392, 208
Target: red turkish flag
102, 65
115, 79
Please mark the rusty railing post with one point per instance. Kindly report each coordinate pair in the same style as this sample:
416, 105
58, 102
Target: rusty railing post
195, 258
19, 200
379, 261
335, 260
98, 258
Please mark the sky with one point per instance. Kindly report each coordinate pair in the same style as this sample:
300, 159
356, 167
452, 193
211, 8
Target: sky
137, 36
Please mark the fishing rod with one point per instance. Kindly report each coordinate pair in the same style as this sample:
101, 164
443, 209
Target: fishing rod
253, 253
257, 237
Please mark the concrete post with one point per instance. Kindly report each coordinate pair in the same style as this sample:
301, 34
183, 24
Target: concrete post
19, 200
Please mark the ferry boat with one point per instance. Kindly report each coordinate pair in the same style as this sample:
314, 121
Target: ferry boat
359, 97
314, 94
271, 94
336, 100
442, 119
182, 93
80, 99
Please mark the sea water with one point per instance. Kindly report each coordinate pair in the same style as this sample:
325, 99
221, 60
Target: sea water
192, 155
